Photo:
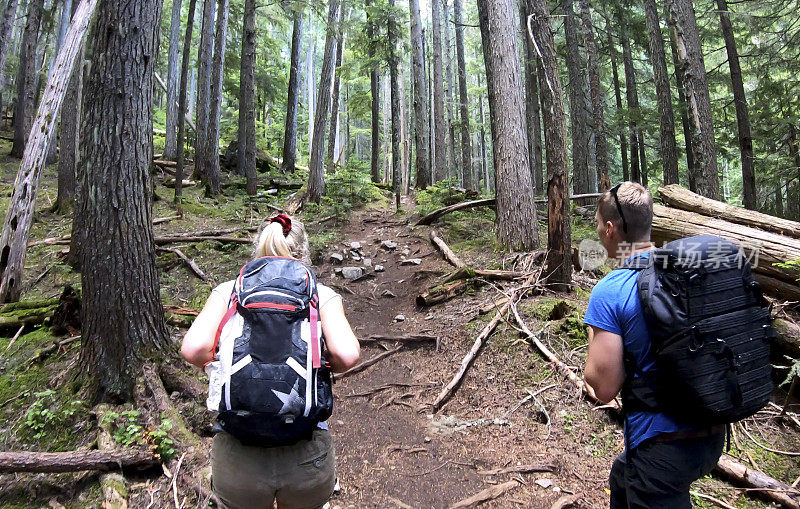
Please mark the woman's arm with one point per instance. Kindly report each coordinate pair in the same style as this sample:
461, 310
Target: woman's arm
343, 347
199, 340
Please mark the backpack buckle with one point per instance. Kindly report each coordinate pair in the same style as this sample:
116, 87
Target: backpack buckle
697, 342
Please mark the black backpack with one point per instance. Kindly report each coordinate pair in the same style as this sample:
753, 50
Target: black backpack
710, 332
269, 380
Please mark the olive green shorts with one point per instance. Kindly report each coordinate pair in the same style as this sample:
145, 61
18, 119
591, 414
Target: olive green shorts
299, 476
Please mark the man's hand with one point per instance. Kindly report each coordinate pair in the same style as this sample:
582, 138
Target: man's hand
604, 371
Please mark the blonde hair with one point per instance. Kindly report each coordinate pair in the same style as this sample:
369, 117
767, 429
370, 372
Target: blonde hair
637, 207
270, 241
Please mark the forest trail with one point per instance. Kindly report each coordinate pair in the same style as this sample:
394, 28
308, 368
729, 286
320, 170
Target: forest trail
391, 452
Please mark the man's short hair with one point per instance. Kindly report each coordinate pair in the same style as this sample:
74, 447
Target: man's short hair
637, 207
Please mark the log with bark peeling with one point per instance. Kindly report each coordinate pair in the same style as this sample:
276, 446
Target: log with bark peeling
670, 224
74, 461
681, 198
770, 488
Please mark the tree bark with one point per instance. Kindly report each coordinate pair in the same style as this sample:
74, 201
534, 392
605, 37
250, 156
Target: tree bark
623, 144
290, 132
742, 116
452, 164
596, 99
6, 32
205, 55
182, 106
516, 212
69, 139
212, 175
395, 106
666, 122
578, 108
247, 99
26, 78
559, 238
682, 198
63, 25
534, 124
17, 225
421, 108
439, 171
466, 146
74, 461
690, 60
334, 129
769, 487
631, 97
374, 84
118, 237
173, 72
316, 177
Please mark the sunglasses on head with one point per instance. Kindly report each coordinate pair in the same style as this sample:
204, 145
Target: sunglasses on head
613, 191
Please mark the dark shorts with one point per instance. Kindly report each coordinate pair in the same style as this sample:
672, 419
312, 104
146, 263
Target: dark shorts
299, 476
658, 474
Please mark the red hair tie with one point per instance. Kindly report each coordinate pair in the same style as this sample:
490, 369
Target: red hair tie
285, 221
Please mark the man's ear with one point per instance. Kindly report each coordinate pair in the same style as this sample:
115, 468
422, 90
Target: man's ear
610, 229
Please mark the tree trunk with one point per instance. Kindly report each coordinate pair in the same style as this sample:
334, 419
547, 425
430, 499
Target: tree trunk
375, 94
596, 98
452, 164
17, 225
70, 136
118, 150
631, 97
742, 116
212, 175
623, 144
63, 25
687, 130
534, 124
578, 109
205, 55
421, 109
173, 71
642, 158
6, 32
681, 198
290, 132
395, 106
333, 131
690, 60
26, 78
182, 106
516, 212
559, 243
316, 182
439, 126
247, 99
466, 147
666, 122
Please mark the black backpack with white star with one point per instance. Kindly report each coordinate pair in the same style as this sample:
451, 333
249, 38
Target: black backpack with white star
269, 380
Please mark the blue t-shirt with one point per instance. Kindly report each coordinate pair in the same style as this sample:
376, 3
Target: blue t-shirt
614, 306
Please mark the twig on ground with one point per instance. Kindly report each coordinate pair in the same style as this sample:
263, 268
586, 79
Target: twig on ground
489, 493
519, 469
175, 480
712, 499
420, 474
191, 263
566, 501
776, 451
16, 336
364, 365
524, 400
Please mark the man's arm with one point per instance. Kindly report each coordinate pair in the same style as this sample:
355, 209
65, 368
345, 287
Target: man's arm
604, 371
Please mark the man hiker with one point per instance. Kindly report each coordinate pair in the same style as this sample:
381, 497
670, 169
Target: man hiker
662, 457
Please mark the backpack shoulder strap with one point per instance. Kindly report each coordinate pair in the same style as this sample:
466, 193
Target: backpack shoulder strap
635, 263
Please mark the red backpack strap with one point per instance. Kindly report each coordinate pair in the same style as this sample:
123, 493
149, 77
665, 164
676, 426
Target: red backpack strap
313, 318
228, 314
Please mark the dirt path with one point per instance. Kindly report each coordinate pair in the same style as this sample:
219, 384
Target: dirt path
390, 454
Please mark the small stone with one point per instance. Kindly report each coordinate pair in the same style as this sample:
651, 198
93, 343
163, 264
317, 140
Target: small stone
355, 256
405, 252
367, 262
352, 272
337, 270
544, 483
389, 245
388, 294
427, 439
336, 258
411, 261
355, 246
399, 318
556, 489
379, 268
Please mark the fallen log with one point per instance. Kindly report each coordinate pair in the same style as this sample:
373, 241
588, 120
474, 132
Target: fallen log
442, 293
450, 389
165, 163
448, 253
490, 493
436, 214
171, 239
73, 461
170, 183
409, 339
492, 275
191, 263
778, 288
681, 198
670, 224
768, 487
519, 469
788, 337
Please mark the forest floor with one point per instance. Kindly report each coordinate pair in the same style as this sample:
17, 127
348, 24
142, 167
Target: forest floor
391, 450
